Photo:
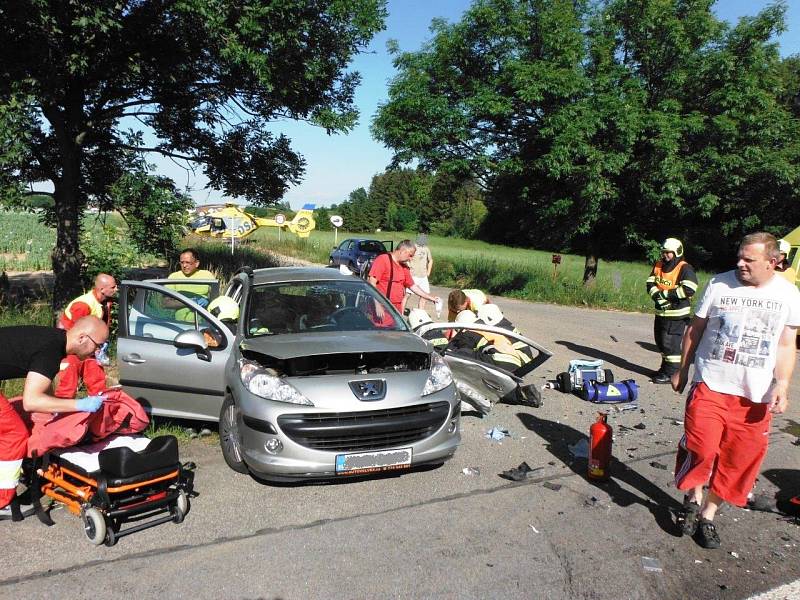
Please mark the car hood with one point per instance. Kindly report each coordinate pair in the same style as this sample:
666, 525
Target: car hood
305, 344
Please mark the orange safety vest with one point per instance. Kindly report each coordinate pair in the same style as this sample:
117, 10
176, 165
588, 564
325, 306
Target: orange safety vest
667, 280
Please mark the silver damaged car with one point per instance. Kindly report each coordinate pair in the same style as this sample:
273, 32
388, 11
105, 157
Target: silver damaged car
316, 377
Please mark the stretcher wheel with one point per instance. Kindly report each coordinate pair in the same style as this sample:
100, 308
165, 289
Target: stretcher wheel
564, 382
608, 375
94, 525
180, 508
111, 536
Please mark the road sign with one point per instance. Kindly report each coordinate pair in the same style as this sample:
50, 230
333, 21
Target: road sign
336, 221
280, 219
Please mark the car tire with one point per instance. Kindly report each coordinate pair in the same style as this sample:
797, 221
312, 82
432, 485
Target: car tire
230, 440
564, 382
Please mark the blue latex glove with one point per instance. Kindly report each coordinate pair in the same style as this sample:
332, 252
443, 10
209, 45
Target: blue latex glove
90, 403
201, 301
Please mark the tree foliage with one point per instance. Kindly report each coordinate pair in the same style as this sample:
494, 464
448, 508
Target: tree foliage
602, 127
86, 85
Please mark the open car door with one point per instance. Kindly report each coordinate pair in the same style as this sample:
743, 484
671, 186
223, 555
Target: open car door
172, 352
482, 384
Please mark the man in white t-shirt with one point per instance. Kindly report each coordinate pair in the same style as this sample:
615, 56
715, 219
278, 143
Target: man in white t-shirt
741, 341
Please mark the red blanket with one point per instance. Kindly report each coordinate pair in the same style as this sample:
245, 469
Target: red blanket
120, 414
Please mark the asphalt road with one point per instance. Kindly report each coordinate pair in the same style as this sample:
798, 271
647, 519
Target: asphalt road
445, 534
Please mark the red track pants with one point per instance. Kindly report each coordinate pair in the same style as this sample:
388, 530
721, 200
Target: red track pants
13, 445
73, 369
724, 443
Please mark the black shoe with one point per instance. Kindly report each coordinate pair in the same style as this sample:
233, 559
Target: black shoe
707, 535
661, 378
687, 517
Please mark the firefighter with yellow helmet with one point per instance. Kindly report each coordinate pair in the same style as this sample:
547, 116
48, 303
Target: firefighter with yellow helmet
671, 285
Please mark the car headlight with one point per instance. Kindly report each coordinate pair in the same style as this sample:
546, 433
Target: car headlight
266, 384
440, 376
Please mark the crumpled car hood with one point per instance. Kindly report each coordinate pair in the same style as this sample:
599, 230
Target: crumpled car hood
303, 344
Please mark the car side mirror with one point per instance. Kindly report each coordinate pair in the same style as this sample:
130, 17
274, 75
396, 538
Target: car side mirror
191, 339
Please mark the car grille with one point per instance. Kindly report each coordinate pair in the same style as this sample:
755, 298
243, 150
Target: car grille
365, 430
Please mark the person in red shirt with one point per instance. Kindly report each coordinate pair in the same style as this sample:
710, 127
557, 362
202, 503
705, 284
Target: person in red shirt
391, 274
97, 303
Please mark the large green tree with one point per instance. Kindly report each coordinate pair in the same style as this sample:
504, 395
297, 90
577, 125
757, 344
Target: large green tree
84, 85
602, 127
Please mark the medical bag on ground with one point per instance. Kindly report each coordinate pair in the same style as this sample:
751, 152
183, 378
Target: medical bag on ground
620, 391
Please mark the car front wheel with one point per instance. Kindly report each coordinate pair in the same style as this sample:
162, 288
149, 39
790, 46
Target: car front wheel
229, 438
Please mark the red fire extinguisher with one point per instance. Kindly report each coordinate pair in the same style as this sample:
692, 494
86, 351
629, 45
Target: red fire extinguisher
600, 438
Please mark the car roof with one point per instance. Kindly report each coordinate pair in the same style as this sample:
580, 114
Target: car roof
363, 240
280, 274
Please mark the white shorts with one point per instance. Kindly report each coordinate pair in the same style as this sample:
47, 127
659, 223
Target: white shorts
423, 284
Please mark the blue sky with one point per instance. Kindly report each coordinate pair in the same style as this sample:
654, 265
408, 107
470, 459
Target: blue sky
339, 164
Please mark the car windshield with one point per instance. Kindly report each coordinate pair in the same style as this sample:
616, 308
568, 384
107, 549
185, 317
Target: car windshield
318, 306
372, 246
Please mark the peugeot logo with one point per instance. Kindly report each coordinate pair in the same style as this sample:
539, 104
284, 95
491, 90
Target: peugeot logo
369, 389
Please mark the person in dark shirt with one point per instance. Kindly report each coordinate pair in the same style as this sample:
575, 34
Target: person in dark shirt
34, 353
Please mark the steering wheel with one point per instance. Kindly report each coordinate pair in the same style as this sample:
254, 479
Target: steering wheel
349, 312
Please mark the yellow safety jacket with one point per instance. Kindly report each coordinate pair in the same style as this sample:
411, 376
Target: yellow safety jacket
96, 309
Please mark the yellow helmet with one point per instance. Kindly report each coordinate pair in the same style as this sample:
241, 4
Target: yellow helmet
224, 308
673, 245
466, 316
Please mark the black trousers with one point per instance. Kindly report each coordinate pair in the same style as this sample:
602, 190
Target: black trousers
668, 334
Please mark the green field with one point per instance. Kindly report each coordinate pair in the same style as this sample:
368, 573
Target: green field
499, 270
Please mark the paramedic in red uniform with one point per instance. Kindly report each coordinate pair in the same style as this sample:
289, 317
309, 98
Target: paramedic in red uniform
35, 353
741, 342
671, 285
391, 274
96, 302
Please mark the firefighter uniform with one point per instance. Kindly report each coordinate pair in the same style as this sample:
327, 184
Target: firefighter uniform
671, 285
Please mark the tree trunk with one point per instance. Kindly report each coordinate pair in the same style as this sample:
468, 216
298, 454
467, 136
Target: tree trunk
590, 267
67, 256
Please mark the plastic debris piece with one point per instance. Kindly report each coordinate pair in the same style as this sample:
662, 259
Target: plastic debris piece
580, 449
552, 486
192, 433
613, 338
523, 471
658, 465
205, 432
625, 407
734, 554
497, 433
651, 564
534, 528
698, 562
471, 471
640, 426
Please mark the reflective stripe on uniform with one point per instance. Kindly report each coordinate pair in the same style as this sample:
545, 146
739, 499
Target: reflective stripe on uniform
672, 358
674, 312
689, 284
10, 471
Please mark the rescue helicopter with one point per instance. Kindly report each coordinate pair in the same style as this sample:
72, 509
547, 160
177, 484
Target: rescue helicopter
226, 221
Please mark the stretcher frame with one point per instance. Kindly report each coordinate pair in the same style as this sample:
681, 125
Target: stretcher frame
105, 504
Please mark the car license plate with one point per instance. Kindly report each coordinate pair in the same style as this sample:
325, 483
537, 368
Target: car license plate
373, 462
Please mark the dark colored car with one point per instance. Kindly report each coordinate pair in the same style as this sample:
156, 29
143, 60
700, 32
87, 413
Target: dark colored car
357, 253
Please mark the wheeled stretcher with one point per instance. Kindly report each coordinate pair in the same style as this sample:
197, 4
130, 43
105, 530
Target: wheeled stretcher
131, 481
